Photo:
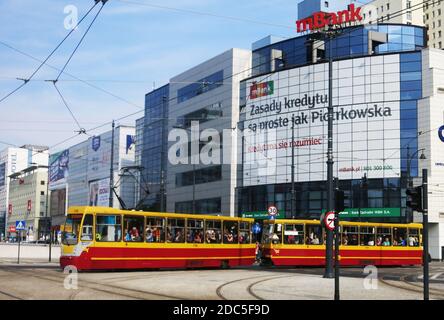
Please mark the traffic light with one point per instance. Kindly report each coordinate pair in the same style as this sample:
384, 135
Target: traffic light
339, 200
414, 198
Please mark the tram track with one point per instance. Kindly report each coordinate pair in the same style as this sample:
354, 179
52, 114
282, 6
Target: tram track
103, 288
249, 289
412, 286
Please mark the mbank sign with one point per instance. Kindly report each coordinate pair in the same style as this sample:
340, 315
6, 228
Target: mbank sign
321, 19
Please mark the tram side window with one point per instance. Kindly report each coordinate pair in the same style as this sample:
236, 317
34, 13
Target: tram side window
314, 235
414, 237
244, 232
400, 237
293, 234
195, 231
350, 236
154, 231
87, 228
133, 227
231, 230
266, 233
108, 228
213, 232
176, 230
367, 236
384, 237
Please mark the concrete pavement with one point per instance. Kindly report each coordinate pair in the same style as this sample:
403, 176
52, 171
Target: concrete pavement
37, 280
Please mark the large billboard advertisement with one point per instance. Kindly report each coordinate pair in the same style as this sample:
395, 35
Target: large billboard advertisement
2, 174
99, 193
58, 168
366, 100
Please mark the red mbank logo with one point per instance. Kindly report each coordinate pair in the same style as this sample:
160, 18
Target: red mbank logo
322, 19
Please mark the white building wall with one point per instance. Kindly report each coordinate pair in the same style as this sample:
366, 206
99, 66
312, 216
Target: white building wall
430, 119
396, 12
15, 159
234, 62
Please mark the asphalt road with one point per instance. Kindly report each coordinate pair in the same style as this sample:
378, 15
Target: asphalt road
38, 280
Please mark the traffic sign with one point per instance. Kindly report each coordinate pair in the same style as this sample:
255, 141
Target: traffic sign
329, 220
20, 225
256, 228
12, 229
272, 211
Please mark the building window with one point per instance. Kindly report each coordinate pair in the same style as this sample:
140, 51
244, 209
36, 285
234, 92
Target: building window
388, 6
42, 183
326, 4
440, 45
42, 193
211, 112
204, 206
201, 176
201, 86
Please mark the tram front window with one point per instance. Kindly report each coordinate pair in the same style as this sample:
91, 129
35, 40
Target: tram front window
71, 230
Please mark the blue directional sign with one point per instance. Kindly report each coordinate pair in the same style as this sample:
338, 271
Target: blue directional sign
20, 225
257, 228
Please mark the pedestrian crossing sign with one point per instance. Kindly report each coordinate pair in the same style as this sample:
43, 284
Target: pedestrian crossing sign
20, 225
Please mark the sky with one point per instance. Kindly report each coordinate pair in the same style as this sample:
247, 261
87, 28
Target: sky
133, 47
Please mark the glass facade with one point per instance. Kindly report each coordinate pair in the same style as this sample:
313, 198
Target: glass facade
379, 192
200, 176
353, 42
154, 150
203, 206
201, 86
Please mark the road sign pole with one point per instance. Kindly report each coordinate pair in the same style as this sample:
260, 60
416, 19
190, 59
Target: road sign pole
337, 262
19, 234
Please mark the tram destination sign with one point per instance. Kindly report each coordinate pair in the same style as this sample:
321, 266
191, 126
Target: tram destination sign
261, 215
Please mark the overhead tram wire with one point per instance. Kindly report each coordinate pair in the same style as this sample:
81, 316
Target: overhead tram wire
231, 76
201, 13
54, 82
26, 81
80, 42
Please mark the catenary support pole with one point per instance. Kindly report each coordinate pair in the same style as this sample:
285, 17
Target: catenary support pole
330, 200
111, 170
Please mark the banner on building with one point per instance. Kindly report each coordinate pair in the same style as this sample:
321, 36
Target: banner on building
58, 168
130, 142
367, 122
99, 193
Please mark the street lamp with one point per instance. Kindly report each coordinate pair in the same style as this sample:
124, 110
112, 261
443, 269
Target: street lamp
409, 164
409, 175
178, 126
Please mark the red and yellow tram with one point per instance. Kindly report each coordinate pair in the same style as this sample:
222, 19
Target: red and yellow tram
302, 243
96, 238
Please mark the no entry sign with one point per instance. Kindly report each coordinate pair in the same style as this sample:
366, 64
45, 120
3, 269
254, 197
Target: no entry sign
329, 220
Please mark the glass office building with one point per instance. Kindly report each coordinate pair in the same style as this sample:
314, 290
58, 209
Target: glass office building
376, 89
154, 149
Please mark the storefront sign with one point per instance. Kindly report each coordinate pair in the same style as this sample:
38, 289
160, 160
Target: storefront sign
261, 215
356, 213
321, 19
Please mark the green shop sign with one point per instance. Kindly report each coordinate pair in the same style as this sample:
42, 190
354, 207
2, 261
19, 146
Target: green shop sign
371, 213
261, 215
